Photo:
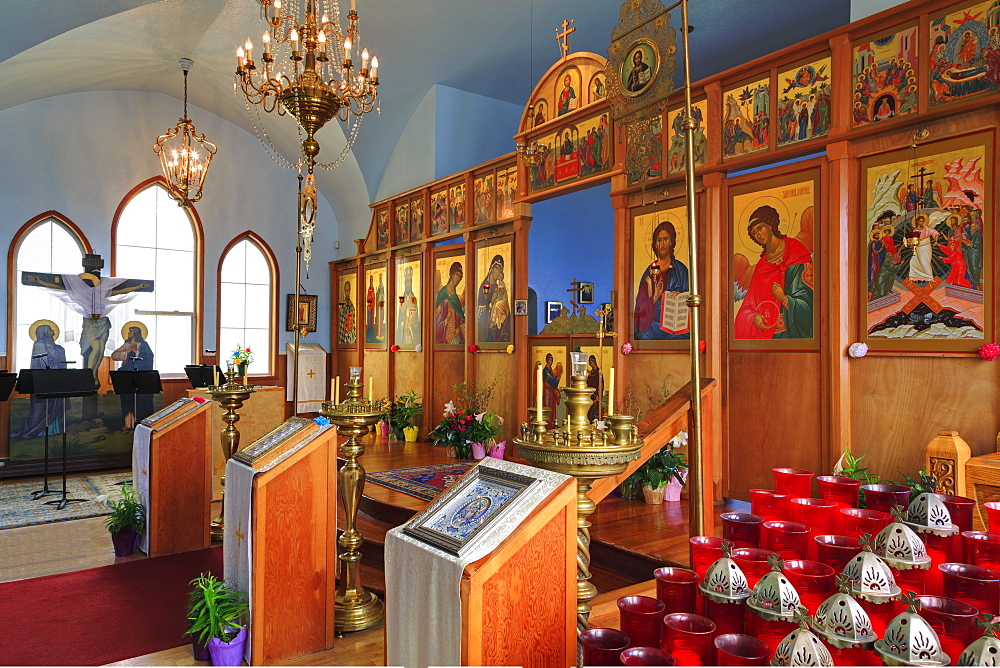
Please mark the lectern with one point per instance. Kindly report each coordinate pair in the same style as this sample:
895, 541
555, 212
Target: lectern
172, 468
281, 536
486, 574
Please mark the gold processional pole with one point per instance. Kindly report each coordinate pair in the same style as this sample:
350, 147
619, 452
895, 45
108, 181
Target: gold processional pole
298, 291
696, 509
230, 396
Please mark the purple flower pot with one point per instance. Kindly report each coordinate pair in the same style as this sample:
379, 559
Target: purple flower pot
228, 653
497, 451
200, 650
478, 450
124, 541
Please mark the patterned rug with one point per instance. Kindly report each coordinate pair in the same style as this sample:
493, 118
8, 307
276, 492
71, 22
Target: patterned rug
423, 482
18, 509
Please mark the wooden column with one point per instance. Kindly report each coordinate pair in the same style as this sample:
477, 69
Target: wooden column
840, 287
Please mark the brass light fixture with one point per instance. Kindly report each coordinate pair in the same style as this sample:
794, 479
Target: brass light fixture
180, 151
531, 153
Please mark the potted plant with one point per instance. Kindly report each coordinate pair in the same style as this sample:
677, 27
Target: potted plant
126, 521
215, 618
400, 413
242, 358
661, 476
461, 427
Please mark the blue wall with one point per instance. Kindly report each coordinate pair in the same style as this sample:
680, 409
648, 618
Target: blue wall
571, 237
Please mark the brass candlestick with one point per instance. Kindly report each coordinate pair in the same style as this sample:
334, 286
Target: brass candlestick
356, 609
231, 397
580, 449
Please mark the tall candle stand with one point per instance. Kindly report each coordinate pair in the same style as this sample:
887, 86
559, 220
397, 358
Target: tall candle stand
578, 448
356, 609
231, 397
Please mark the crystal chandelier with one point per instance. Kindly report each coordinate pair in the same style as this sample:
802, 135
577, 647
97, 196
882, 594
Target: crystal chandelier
183, 165
306, 69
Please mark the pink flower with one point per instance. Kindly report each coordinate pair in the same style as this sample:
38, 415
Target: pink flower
989, 352
626, 348
462, 428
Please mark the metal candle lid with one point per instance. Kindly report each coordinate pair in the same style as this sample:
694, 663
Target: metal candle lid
870, 577
901, 547
841, 621
986, 650
724, 581
928, 514
774, 598
801, 647
910, 641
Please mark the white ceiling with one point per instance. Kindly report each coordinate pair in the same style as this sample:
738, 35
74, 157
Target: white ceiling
55, 47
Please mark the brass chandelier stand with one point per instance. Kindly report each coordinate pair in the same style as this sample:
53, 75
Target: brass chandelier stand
231, 397
355, 609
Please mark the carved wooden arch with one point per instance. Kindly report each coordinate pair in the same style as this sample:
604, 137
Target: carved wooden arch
272, 263
199, 252
582, 67
12, 278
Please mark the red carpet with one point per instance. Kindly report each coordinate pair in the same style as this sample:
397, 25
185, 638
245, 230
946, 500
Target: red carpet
100, 615
423, 482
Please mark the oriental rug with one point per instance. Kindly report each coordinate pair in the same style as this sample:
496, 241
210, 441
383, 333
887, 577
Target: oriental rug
18, 509
101, 615
423, 482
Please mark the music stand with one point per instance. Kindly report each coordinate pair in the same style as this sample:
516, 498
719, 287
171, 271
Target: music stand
201, 375
61, 384
136, 382
26, 385
7, 382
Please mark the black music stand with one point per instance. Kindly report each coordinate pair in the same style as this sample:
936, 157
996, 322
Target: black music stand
202, 375
26, 385
7, 382
61, 384
136, 382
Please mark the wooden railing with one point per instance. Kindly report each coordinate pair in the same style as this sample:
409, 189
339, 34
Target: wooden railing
657, 428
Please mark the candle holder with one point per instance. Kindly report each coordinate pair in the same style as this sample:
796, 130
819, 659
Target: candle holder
231, 397
585, 452
355, 609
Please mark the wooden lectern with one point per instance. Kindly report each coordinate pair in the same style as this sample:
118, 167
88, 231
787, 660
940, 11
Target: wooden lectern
281, 538
518, 602
177, 469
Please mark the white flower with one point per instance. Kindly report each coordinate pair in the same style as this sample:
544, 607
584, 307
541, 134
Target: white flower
449, 408
102, 498
480, 416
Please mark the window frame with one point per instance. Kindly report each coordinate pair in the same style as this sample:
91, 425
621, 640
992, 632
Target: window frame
13, 280
272, 262
199, 264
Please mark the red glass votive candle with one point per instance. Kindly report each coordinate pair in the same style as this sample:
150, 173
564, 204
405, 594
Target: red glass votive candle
821, 516
886, 497
910, 579
728, 617
939, 549
975, 585
704, 551
856, 521
954, 621
647, 656
771, 632
813, 580
796, 482
603, 647
835, 551
769, 504
853, 657
677, 589
789, 539
689, 639
992, 516
743, 529
737, 649
961, 509
982, 549
641, 618
753, 562
839, 488
880, 613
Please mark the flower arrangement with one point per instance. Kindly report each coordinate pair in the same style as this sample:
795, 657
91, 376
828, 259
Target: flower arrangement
242, 355
666, 465
989, 351
399, 412
460, 427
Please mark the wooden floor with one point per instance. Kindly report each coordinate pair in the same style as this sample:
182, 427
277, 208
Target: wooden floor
80, 544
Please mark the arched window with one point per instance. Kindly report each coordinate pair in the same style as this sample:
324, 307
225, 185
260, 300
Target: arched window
247, 302
154, 238
48, 244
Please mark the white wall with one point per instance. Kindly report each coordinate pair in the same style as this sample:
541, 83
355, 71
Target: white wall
80, 154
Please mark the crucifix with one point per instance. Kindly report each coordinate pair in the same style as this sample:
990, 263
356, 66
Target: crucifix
574, 290
921, 174
563, 37
94, 298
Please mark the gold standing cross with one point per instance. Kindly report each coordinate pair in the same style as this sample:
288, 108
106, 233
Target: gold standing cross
563, 37
239, 534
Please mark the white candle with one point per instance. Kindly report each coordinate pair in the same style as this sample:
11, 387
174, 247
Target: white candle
215, 375
611, 391
336, 394
371, 384
538, 391
354, 5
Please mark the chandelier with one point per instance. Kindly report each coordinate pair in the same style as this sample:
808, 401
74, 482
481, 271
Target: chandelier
183, 166
531, 153
306, 69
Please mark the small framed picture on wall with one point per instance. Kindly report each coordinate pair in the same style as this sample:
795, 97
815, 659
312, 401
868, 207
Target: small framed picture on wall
520, 307
306, 315
586, 293
552, 311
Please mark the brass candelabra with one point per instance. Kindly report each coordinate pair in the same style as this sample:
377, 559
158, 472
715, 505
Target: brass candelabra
231, 397
586, 452
355, 609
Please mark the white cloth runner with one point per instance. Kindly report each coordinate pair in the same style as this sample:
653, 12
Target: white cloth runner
423, 625
312, 376
87, 300
237, 556
141, 440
